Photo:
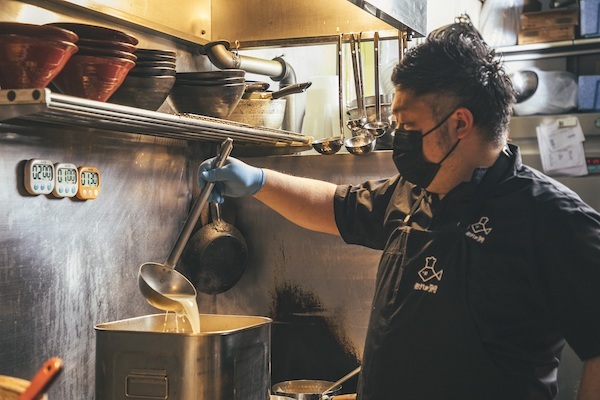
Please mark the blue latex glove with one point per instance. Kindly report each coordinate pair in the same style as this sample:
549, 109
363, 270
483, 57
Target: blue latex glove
234, 179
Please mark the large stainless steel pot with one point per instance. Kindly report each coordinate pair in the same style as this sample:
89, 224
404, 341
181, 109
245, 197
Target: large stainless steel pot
144, 358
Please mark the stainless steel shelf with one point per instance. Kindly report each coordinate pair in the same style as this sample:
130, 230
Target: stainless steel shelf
564, 48
42, 105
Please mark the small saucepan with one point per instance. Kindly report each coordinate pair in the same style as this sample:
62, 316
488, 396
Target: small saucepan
306, 389
215, 257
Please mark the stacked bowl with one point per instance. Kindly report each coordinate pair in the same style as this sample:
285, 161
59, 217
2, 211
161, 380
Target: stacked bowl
212, 93
149, 83
104, 58
32, 55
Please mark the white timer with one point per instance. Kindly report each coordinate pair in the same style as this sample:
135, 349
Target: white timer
39, 176
66, 182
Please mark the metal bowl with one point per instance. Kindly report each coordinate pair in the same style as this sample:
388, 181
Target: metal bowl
147, 92
327, 146
361, 144
304, 389
259, 112
212, 101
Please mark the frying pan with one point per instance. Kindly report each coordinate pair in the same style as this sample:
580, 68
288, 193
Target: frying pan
215, 257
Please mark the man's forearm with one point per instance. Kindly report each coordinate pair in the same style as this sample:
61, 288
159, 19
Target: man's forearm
305, 202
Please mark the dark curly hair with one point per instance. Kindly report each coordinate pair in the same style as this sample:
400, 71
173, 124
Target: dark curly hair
456, 68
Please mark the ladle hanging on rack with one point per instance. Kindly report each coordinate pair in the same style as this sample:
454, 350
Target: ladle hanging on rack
356, 125
362, 142
332, 145
378, 127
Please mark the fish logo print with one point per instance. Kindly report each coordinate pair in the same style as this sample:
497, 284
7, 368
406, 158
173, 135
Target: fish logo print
428, 272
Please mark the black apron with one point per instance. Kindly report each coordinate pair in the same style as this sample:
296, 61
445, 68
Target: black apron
422, 343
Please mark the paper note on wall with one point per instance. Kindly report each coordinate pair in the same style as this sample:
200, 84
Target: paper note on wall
561, 147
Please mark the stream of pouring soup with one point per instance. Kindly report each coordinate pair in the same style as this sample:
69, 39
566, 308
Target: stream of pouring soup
190, 309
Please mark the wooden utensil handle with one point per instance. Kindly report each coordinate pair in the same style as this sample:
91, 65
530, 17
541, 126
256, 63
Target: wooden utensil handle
42, 379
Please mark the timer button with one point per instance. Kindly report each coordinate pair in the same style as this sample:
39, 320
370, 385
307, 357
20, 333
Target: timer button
95, 192
36, 186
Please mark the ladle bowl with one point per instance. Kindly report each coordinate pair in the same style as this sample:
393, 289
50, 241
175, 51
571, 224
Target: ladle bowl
355, 125
361, 144
160, 284
377, 128
327, 146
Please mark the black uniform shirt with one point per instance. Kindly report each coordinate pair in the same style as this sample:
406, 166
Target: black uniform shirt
532, 273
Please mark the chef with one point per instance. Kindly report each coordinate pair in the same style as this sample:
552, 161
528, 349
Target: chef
488, 266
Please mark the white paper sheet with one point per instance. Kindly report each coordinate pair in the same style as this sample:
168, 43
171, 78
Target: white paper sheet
561, 147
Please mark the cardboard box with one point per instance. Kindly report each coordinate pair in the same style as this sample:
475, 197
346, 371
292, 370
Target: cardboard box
548, 19
588, 93
590, 18
549, 34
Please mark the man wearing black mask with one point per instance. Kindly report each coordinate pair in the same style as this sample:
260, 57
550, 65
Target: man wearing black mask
488, 266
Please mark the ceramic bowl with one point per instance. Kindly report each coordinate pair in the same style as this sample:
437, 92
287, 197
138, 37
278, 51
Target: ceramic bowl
213, 101
96, 51
86, 31
107, 44
28, 62
147, 92
92, 77
38, 31
210, 75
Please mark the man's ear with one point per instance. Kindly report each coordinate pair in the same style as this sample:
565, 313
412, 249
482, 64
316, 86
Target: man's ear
464, 122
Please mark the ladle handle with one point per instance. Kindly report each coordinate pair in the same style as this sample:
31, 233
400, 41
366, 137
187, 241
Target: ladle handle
199, 204
376, 67
341, 380
340, 84
357, 76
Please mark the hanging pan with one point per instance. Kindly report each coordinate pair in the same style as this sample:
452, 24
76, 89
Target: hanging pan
215, 257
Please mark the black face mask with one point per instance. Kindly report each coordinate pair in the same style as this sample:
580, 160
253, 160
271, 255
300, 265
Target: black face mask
408, 156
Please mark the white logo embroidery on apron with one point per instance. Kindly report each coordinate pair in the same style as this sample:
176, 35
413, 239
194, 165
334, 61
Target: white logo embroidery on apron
478, 231
427, 273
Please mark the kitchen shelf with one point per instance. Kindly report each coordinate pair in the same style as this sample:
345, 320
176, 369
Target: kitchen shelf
564, 48
42, 105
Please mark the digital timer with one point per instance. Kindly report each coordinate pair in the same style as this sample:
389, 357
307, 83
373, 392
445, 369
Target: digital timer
65, 183
88, 187
39, 176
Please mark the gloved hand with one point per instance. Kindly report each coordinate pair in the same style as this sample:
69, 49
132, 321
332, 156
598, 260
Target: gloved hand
234, 179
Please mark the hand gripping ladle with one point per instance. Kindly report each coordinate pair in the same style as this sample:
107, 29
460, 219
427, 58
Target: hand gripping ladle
160, 283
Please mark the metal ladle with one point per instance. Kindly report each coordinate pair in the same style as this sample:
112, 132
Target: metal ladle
377, 128
356, 125
332, 145
160, 283
337, 383
361, 143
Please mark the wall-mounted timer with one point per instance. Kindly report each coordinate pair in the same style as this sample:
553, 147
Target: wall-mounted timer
88, 187
39, 176
66, 181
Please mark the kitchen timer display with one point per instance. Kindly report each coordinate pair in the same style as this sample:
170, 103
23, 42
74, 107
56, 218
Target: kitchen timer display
66, 183
39, 176
89, 183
